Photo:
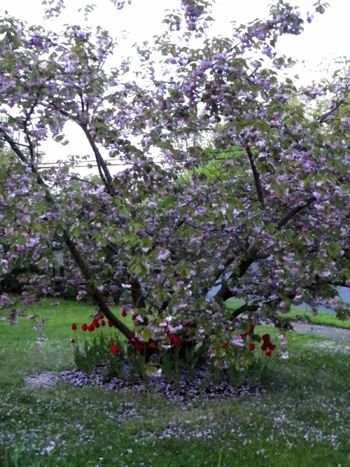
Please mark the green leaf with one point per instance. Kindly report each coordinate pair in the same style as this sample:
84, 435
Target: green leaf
333, 250
138, 265
147, 334
168, 202
8, 63
151, 370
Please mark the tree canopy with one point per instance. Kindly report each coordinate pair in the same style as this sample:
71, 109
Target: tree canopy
235, 185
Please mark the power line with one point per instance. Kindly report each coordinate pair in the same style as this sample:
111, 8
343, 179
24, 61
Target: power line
109, 162
55, 166
85, 161
48, 165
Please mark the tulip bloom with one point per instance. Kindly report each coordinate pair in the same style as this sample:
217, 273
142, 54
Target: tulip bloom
114, 349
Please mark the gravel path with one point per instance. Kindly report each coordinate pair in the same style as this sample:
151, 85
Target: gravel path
324, 331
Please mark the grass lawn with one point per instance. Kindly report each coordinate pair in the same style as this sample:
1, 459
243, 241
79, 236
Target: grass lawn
302, 419
323, 317
326, 318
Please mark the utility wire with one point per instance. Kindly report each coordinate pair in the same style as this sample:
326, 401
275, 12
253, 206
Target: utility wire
55, 166
86, 162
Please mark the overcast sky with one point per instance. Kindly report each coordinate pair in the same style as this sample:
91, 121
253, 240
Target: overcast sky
322, 41
316, 49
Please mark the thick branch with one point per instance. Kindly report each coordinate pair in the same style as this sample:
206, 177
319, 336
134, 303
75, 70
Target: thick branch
247, 261
293, 212
137, 296
26, 131
101, 164
324, 117
224, 293
256, 176
94, 292
243, 309
253, 254
15, 148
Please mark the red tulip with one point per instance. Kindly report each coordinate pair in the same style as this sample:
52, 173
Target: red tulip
152, 345
266, 338
251, 346
174, 340
115, 349
136, 343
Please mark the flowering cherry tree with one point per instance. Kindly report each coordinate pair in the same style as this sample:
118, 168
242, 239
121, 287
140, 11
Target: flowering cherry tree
235, 186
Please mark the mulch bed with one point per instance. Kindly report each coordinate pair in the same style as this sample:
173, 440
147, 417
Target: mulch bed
197, 387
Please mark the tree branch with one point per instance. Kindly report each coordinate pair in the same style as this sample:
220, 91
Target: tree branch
324, 117
256, 176
253, 253
293, 212
242, 309
101, 164
104, 173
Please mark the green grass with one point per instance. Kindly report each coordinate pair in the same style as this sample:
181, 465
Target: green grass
325, 318
302, 419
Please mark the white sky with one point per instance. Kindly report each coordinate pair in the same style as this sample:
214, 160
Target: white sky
328, 36
316, 49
